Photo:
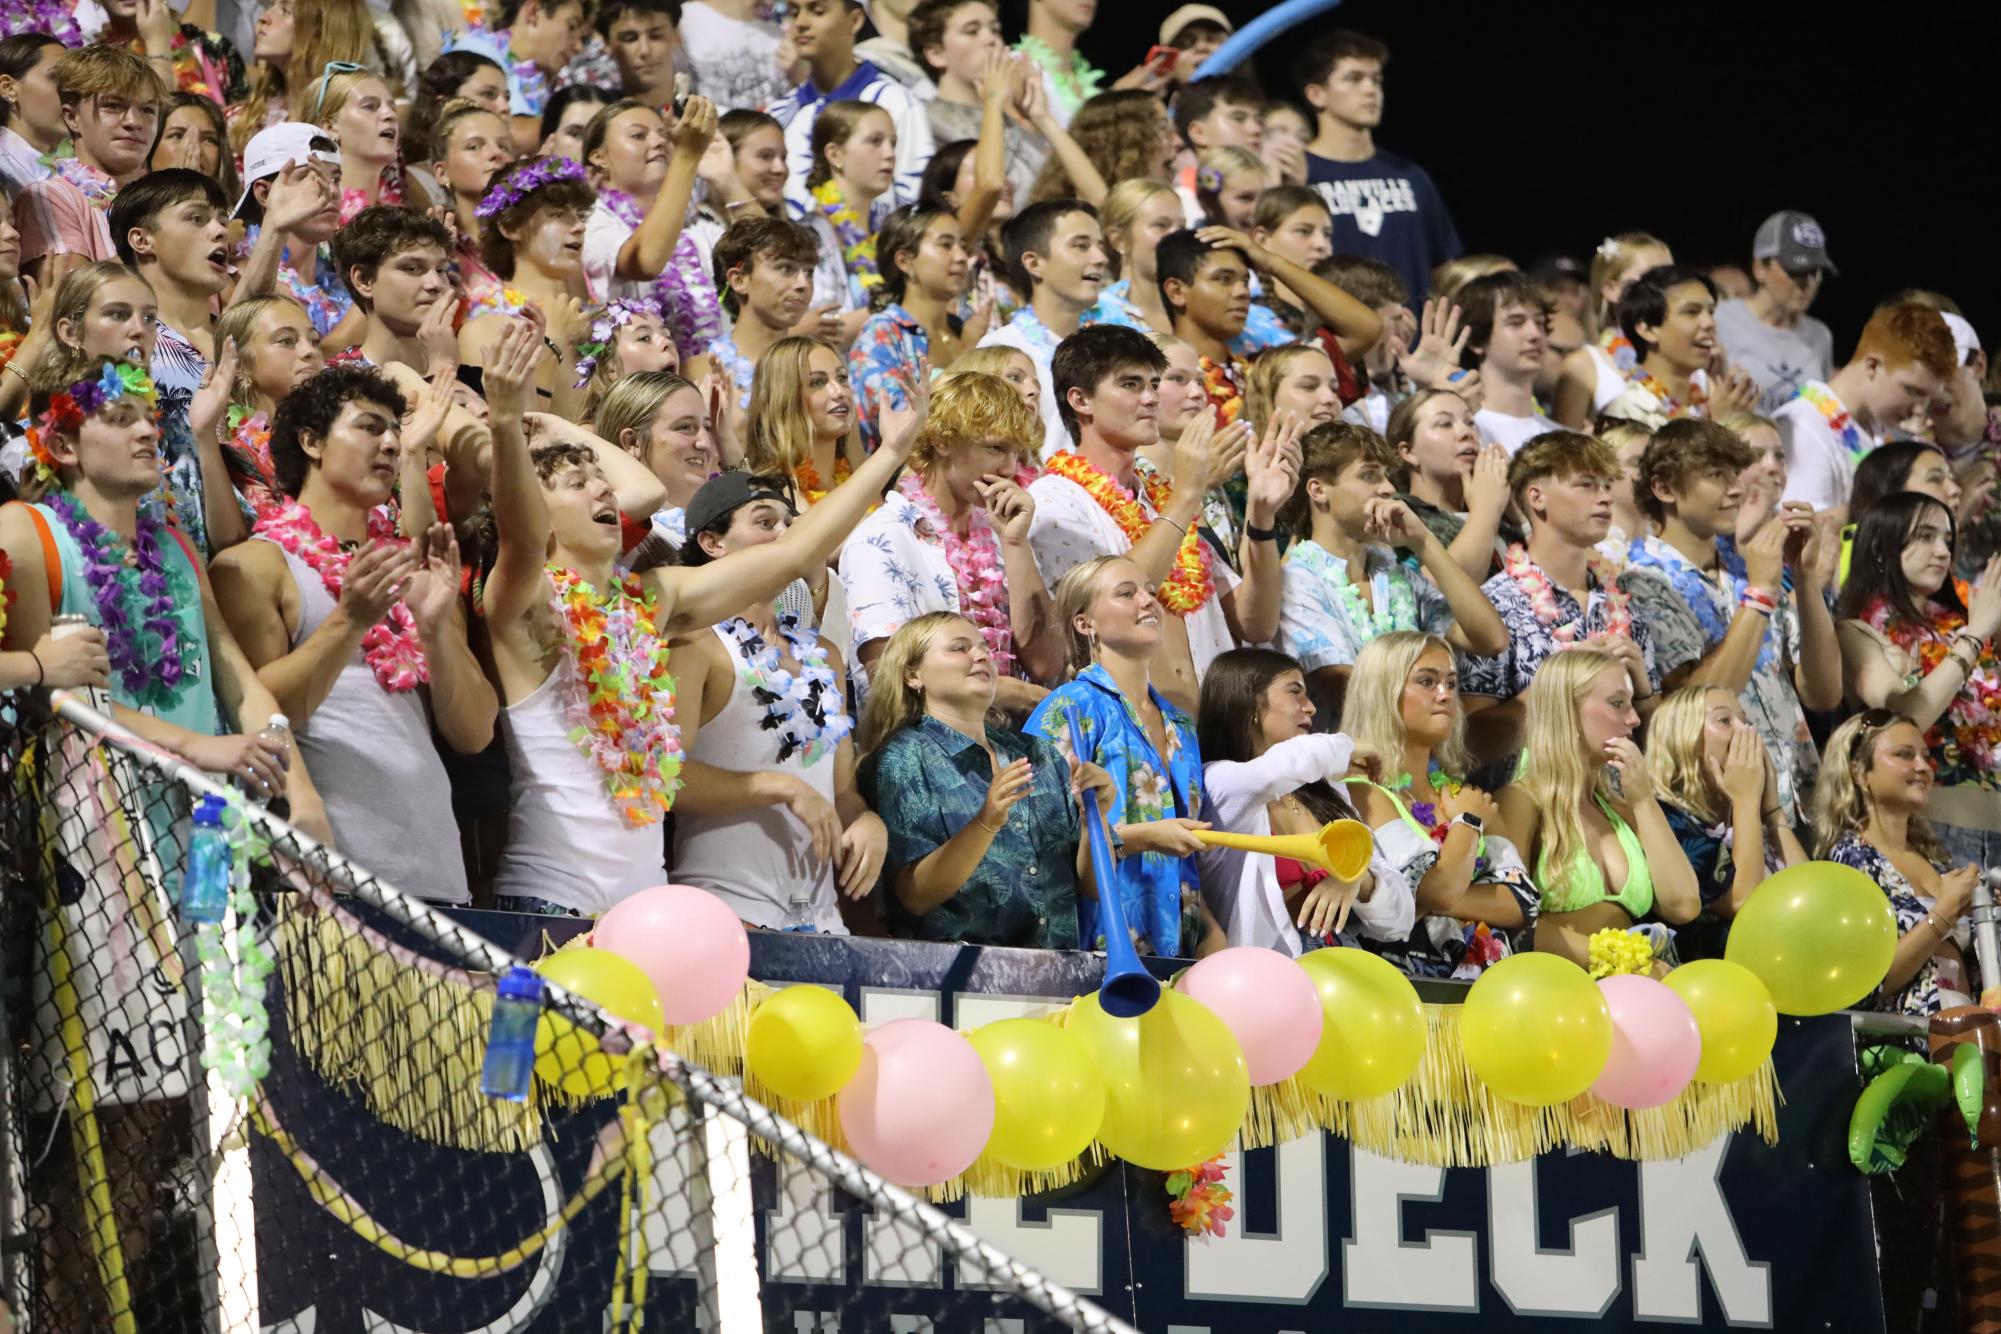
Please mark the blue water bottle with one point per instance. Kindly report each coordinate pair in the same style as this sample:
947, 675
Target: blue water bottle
510, 1042
205, 880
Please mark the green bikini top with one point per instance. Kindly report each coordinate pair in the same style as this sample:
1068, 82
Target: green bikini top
1583, 884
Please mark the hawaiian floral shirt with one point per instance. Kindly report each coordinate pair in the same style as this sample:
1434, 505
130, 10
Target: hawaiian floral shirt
893, 569
1323, 623
1159, 892
1530, 641
885, 358
1921, 997
930, 782
1707, 847
1688, 614
1440, 946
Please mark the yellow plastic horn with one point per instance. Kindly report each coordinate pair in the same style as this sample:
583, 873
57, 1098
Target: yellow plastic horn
1341, 847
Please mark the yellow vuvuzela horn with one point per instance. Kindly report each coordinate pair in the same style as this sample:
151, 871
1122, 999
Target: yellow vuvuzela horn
1341, 847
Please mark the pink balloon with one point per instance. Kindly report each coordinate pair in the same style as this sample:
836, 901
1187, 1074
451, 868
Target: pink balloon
1655, 1043
1266, 1000
687, 941
921, 1106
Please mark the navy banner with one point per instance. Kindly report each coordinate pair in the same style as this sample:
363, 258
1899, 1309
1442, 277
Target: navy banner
1325, 1238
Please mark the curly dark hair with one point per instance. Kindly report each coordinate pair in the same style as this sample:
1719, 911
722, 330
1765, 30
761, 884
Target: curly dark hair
494, 246
379, 233
312, 407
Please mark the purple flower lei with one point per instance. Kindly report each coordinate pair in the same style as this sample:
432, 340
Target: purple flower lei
148, 659
57, 18
605, 327
523, 181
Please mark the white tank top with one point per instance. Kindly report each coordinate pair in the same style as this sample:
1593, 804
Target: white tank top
1610, 383
370, 753
565, 841
755, 860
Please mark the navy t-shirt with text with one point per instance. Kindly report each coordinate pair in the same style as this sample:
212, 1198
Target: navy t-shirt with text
1387, 208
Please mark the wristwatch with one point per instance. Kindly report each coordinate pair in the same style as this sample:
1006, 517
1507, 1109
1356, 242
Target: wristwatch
1472, 822
1112, 836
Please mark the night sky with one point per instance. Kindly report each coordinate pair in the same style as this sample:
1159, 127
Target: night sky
1548, 127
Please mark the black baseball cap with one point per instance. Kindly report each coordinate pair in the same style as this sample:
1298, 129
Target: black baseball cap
726, 493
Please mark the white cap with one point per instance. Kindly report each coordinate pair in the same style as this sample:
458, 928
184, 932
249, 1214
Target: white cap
272, 147
1963, 337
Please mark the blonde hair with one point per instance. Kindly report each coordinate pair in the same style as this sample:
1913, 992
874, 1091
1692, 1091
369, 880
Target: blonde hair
993, 359
1074, 594
1121, 209
238, 323
1557, 777
631, 405
322, 32
1453, 274
60, 364
974, 406
1741, 422
1213, 169
1615, 254
780, 437
1840, 804
338, 89
1372, 708
1268, 368
893, 704
1675, 754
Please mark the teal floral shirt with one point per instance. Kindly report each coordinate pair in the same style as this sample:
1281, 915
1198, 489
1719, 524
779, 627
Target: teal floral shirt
930, 782
1159, 892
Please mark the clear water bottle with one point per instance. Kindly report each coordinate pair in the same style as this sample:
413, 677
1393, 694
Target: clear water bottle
510, 1042
205, 880
799, 913
279, 729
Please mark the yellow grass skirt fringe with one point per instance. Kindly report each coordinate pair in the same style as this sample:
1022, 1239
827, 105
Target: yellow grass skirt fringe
372, 1024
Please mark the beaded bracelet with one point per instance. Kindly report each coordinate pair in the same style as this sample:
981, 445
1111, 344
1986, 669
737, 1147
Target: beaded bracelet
1759, 601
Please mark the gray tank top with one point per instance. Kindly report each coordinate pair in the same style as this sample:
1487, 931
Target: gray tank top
370, 753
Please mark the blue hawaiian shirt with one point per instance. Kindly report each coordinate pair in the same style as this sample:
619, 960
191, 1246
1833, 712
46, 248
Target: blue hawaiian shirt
885, 357
1154, 888
1322, 621
930, 782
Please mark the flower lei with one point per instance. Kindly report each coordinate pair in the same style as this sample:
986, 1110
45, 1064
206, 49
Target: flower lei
807, 478
976, 569
1395, 606
1968, 737
1190, 584
146, 658
95, 186
1426, 812
1621, 350
247, 453
10, 343
523, 181
1672, 407
857, 242
622, 706
1069, 88
1223, 381
1201, 1202
1615, 950
1839, 420
685, 291
392, 647
604, 329
805, 707
1542, 595
57, 18
238, 1042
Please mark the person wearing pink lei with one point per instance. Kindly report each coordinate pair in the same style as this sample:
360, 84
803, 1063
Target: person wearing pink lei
112, 102
953, 537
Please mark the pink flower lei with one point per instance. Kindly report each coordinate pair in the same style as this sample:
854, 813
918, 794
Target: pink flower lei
392, 647
976, 569
1542, 597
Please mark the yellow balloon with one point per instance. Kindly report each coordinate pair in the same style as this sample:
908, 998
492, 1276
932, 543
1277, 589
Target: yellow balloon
565, 1054
1372, 1031
1734, 1013
1535, 1029
1175, 1081
804, 1043
1049, 1098
1818, 935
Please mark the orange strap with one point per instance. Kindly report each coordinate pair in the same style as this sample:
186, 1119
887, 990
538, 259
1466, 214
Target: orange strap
52, 558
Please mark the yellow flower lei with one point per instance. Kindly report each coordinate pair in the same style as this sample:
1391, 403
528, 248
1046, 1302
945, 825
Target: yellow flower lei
851, 230
1190, 584
1613, 952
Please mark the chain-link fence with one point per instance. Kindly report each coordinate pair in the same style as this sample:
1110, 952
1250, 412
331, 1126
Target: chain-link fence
275, 1121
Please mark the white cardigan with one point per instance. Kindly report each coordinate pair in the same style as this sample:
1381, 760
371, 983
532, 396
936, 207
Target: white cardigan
1242, 887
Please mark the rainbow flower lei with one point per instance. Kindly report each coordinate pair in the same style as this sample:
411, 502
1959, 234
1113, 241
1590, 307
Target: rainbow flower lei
1542, 596
623, 705
523, 181
1839, 419
976, 569
1190, 584
392, 648
68, 409
1201, 1202
147, 657
857, 242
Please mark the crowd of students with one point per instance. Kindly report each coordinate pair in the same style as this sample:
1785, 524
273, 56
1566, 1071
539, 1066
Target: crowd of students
809, 459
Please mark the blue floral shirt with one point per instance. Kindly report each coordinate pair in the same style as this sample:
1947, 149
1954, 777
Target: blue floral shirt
885, 357
1156, 890
930, 782
1322, 621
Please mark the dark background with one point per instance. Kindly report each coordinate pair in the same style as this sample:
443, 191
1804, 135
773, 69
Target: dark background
1548, 127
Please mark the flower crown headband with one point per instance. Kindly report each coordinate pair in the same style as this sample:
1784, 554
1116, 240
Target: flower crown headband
69, 408
605, 327
523, 181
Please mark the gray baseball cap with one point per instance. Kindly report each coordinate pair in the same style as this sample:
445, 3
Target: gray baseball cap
1795, 240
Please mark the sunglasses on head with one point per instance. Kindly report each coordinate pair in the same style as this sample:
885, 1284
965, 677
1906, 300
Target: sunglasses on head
332, 68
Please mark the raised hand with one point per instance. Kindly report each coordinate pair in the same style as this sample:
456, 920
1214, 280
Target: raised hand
1441, 342
910, 418
1765, 556
697, 126
211, 402
375, 580
1009, 507
1228, 448
1272, 466
1229, 236
1983, 617
1487, 481
1732, 392
511, 364
569, 323
427, 413
1740, 776
1031, 97
1389, 520
1193, 454
157, 26
298, 195
433, 588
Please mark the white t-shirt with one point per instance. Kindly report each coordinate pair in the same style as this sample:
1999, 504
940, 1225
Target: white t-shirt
604, 233
733, 62
1820, 468
1511, 433
1033, 338
1071, 528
